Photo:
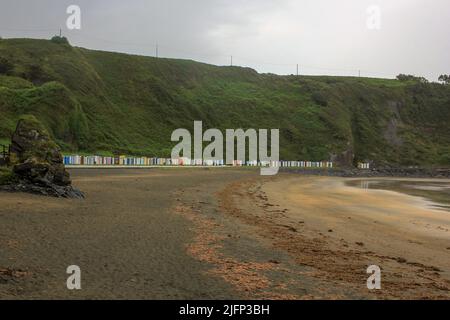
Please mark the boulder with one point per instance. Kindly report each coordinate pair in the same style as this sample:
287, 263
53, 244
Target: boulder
37, 161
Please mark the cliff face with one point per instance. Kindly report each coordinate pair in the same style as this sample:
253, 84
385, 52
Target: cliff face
108, 102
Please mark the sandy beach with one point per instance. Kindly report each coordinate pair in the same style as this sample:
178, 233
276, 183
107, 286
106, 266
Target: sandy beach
339, 231
222, 233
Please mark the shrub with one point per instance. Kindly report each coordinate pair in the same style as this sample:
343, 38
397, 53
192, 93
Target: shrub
444, 78
60, 40
6, 176
320, 98
5, 66
410, 77
36, 74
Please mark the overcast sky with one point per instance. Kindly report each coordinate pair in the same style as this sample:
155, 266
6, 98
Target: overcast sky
322, 36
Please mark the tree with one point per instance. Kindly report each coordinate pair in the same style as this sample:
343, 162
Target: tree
410, 77
60, 40
444, 79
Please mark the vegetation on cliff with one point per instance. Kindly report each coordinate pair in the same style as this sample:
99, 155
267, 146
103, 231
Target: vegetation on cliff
103, 102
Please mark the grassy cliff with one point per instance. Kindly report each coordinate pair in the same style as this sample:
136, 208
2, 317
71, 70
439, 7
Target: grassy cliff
93, 101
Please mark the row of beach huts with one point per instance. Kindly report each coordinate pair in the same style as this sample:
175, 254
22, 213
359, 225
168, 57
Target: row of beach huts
363, 165
77, 160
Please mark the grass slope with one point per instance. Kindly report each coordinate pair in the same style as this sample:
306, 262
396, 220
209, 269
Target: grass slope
94, 101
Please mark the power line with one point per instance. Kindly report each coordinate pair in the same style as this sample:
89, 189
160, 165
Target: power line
252, 61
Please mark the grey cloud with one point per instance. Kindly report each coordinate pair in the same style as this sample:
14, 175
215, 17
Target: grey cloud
323, 36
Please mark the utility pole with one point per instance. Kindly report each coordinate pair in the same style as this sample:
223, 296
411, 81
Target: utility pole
231, 61
157, 50
60, 32
297, 69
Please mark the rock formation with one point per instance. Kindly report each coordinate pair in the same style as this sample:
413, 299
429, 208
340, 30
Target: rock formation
37, 162
344, 159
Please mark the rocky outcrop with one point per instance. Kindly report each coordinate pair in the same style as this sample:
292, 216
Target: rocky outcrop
38, 163
345, 158
375, 172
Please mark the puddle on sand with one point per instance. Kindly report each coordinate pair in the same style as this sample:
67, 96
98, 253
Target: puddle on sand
438, 192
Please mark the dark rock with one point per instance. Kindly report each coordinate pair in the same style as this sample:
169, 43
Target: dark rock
414, 172
344, 159
274, 261
401, 260
49, 190
38, 163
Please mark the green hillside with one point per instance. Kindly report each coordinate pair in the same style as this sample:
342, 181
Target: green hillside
93, 101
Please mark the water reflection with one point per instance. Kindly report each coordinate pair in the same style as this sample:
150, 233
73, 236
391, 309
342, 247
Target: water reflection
436, 191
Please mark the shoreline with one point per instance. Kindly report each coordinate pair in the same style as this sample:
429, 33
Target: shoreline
333, 172
373, 173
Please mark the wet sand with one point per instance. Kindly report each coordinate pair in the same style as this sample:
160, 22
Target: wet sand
124, 236
221, 233
340, 230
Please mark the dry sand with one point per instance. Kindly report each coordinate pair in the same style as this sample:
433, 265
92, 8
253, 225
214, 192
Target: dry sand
221, 233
